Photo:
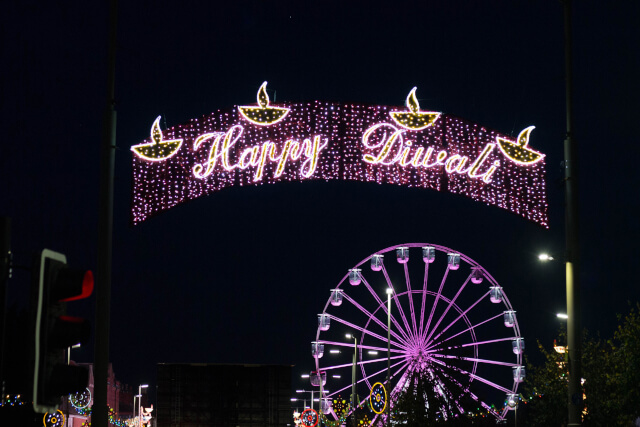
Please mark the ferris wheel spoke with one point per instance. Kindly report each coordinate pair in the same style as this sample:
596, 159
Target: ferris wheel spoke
397, 302
432, 344
336, 392
374, 318
410, 296
383, 370
466, 391
472, 359
461, 316
383, 349
383, 304
490, 383
472, 344
451, 303
361, 329
405, 367
435, 302
368, 347
474, 376
445, 391
424, 296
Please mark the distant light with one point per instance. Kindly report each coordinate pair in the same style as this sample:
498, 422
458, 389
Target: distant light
334, 351
560, 349
373, 352
300, 391
348, 336
293, 399
389, 291
545, 257
336, 376
304, 376
562, 316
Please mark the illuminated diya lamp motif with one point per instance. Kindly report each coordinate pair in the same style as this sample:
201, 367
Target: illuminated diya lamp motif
519, 152
263, 114
414, 119
157, 150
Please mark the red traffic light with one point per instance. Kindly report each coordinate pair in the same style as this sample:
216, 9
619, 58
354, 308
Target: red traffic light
75, 277
55, 283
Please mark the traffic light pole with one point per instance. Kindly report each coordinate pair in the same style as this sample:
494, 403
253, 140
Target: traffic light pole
100, 416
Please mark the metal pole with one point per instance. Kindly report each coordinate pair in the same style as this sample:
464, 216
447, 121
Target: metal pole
320, 402
388, 358
353, 381
139, 405
134, 406
572, 256
5, 274
105, 232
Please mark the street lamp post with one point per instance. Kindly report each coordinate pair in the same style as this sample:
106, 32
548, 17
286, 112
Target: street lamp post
353, 378
140, 387
69, 352
134, 405
305, 400
389, 292
574, 343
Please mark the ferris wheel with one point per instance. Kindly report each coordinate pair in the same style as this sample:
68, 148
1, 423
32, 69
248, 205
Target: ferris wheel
446, 317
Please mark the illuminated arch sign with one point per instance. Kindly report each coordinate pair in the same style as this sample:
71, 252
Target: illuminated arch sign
264, 144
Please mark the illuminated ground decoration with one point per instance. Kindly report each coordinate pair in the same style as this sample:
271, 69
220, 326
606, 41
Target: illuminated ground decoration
265, 144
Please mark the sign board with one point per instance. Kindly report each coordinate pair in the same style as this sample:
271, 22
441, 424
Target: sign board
266, 144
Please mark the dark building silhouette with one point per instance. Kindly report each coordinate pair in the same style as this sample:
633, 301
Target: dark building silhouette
221, 395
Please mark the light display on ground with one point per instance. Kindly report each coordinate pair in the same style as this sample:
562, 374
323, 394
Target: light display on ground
53, 419
266, 144
80, 400
309, 418
378, 398
451, 326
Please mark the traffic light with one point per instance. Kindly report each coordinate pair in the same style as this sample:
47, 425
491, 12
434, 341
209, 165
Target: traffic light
54, 283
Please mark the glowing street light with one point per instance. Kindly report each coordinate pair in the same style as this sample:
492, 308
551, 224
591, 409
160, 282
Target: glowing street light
562, 316
544, 257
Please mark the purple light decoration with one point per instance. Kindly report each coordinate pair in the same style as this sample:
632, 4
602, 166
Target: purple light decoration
460, 342
332, 141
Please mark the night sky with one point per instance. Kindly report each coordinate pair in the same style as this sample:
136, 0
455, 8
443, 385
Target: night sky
239, 276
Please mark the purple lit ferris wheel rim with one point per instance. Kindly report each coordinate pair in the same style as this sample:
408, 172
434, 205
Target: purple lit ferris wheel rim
415, 342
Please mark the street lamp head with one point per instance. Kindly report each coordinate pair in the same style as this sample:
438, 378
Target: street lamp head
389, 291
562, 316
545, 257
348, 336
